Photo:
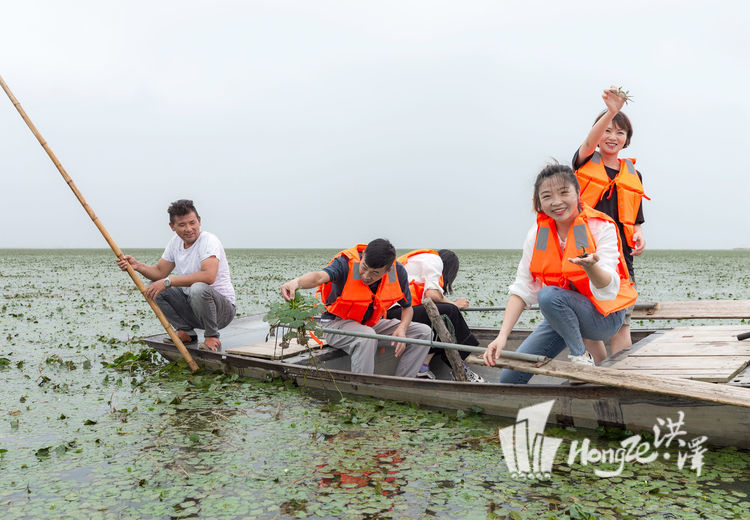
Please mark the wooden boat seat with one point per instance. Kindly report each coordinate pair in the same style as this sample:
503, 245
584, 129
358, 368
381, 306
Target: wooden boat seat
269, 349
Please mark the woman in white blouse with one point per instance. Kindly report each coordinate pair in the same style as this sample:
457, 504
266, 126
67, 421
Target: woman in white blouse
572, 266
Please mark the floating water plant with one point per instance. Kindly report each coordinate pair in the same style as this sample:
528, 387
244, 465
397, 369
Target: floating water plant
296, 315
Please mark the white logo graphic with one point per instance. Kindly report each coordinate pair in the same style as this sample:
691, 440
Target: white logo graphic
527, 437
525, 440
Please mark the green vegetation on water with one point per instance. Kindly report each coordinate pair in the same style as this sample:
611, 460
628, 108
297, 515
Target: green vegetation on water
94, 425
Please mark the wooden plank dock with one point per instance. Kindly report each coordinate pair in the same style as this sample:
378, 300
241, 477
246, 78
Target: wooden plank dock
708, 353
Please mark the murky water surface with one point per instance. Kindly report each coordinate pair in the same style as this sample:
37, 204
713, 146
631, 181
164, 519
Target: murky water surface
93, 425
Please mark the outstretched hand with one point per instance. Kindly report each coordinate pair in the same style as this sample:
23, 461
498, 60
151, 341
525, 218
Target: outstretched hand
493, 351
585, 262
613, 101
289, 288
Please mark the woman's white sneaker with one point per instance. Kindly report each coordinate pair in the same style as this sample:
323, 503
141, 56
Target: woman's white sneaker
585, 359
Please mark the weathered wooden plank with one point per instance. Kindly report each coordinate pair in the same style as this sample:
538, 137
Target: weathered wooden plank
724, 332
724, 394
735, 309
720, 363
721, 348
676, 371
445, 336
268, 350
708, 376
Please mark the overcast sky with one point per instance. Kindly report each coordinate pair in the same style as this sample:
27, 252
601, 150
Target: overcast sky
327, 123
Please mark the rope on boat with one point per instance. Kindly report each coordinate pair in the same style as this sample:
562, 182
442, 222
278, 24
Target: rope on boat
439, 344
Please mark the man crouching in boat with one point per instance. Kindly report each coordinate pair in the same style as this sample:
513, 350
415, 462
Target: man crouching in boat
201, 295
357, 287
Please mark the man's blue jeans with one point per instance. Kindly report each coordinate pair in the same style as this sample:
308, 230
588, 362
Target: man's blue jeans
569, 317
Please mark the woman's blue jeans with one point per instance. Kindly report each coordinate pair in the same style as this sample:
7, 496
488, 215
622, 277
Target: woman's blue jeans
569, 317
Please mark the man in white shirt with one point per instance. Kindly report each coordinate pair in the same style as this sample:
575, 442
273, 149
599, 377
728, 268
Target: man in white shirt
201, 295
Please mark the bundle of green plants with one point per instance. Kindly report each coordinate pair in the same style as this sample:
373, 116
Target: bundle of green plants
296, 316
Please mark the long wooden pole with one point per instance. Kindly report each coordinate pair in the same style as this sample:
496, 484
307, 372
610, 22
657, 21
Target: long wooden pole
118, 253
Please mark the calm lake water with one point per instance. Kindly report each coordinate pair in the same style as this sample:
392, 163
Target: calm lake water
93, 425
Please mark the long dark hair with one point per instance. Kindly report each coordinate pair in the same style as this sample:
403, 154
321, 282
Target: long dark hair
450, 268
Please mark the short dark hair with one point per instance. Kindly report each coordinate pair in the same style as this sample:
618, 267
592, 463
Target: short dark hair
622, 122
555, 169
379, 253
450, 268
181, 208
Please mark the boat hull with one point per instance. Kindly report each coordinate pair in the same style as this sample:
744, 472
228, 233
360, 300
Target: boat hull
584, 406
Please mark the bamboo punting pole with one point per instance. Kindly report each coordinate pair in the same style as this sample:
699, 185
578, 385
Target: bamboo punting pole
118, 253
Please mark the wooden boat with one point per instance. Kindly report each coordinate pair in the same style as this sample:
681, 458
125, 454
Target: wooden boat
703, 353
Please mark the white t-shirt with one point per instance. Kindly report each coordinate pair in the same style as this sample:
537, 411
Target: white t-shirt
605, 235
425, 268
188, 261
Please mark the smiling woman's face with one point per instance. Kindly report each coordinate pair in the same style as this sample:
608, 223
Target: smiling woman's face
559, 199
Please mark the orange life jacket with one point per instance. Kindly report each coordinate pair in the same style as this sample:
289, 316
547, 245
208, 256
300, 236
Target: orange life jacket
595, 184
356, 297
417, 289
550, 265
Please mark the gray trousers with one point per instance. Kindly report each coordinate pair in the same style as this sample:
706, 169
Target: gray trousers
203, 308
362, 351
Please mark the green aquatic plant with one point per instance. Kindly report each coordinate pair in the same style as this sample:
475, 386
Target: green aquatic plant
297, 315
